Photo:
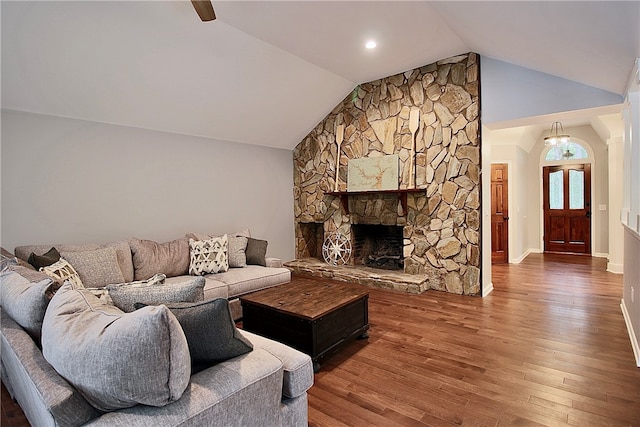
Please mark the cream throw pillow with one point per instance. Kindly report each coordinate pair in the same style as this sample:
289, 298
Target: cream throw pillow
209, 256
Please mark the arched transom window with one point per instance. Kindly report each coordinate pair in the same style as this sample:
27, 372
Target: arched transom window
569, 151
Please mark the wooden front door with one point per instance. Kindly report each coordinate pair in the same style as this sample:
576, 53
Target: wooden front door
567, 208
499, 214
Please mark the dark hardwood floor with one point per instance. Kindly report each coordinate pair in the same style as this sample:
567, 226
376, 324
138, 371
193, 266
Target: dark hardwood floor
548, 347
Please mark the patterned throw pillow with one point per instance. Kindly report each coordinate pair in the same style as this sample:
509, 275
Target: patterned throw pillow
62, 271
209, 256
236, 249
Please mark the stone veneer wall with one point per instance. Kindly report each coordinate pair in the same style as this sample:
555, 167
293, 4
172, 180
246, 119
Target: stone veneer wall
442, 225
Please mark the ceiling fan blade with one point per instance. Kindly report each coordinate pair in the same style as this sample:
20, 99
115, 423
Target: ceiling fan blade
204, 9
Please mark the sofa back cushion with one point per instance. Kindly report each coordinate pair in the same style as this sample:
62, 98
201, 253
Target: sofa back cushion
115, 359
123, 253
96, 268
150, 258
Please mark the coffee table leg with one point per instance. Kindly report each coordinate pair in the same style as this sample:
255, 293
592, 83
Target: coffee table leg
316, 365
365, 333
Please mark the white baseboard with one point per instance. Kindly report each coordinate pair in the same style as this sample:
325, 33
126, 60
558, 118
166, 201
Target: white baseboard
632, 335
524, 255
539, 251
615, 268
486, 290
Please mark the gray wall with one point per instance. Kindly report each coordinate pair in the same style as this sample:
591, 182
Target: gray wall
511, 92
72, 181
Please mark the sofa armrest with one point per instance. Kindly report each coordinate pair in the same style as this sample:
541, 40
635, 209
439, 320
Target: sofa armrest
46, 398
273, 262
243, 391
298, 367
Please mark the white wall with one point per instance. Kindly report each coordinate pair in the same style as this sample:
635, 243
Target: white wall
615, 150
73, 181
631, 211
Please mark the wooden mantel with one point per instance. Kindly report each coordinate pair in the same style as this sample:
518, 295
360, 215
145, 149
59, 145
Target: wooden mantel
402, 195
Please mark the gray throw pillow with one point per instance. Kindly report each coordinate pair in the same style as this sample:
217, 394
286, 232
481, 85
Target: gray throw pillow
25, 299
115, 359
38, 261
211, 332
124, 296
256, 252
96, 268
149, 258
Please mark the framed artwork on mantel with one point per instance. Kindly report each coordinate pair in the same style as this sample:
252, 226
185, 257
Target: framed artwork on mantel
373, 173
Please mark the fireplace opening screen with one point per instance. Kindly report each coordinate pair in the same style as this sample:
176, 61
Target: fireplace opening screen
378, 246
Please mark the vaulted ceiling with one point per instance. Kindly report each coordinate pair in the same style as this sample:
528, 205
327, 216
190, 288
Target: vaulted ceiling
266, 72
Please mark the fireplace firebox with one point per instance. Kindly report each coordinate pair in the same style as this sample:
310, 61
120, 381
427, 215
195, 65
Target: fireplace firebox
378, 246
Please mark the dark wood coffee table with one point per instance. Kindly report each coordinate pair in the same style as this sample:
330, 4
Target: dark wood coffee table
311, 315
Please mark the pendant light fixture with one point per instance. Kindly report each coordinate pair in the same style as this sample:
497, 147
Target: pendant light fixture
557, 135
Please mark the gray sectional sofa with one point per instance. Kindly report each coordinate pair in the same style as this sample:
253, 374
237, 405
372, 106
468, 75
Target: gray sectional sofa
265, 386
230, 284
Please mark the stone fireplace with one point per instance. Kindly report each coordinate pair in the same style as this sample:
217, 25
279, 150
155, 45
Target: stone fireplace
436, 222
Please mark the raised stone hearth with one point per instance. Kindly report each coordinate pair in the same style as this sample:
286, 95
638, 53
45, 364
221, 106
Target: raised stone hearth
439, 217
386, 279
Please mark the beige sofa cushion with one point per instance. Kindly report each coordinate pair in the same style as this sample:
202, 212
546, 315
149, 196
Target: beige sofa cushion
252, 278
96, 268
150, 258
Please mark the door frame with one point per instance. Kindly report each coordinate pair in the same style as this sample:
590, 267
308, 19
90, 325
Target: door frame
567, 212
592, 161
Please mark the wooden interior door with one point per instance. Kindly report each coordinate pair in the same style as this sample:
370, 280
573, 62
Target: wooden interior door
567, 208
499, 214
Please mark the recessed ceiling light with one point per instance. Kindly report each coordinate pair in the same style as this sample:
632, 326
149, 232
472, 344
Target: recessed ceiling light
370, 44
